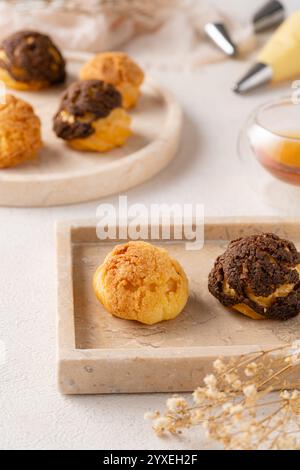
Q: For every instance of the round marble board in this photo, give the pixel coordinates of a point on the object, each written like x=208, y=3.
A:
x=64, y=176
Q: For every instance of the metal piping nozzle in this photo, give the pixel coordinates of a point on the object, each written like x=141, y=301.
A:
x=258, y=75
x=220, y=36
x=271, y=14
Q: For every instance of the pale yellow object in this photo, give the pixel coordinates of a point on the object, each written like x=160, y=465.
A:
x=119, y=70
x=282, y=52
x=10, y=82
x=20, y=132
x=141, y=282
x=110, y=132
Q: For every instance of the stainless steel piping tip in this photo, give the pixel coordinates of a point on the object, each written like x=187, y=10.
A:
x=271, y=14
x=260, y=74
x=220, y=36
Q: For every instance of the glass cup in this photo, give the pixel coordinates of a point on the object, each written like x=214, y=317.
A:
x=269, y=151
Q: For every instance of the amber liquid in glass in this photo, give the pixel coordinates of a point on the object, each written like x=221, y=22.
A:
x=280, y=156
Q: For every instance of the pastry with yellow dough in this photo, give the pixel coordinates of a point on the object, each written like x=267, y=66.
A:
x=259, y=277
x=30, y=61
x=119, y=70
x=20, y=132
x=91, y=117
x=139, y=281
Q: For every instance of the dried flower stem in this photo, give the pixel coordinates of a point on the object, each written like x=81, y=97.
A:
x=227, y=405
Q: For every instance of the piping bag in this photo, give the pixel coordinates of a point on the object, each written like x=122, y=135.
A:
x=279, y=60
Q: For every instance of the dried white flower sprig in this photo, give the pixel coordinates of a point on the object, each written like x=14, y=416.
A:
x=229, y=404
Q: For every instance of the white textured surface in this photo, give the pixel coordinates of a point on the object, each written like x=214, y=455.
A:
x=32, y=413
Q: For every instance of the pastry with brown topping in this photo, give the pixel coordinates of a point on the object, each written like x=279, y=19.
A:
x=20, y=132
x=259, y=277
x=30, y=61
x=119, y=70
x=139, y=281
x=90, y=117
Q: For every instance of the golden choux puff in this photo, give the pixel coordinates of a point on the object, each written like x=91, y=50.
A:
x=20, y=132
x=119, y=70
x=139, y=281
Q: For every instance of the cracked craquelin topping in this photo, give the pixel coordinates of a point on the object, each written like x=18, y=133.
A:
x=139, y=281
x=260, y=272
x=20, y=132
x=83, y=103
x=31, y=56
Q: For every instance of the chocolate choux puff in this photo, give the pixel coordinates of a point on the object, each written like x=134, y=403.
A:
x=30, y=61
x=91, y=117
x=139, y=281
x=259, y=277
x=20, y=132
x=119, y=70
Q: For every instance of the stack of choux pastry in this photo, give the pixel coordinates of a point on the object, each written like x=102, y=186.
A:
x=91, y=115
x=139, y=281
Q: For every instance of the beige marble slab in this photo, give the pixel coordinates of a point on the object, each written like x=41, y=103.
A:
x=102, y=354
x=62, y=175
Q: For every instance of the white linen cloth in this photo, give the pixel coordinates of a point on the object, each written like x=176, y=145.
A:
x=165, y=32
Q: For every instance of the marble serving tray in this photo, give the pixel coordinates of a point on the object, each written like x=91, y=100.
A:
x=65, y=176
x=99, y=353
